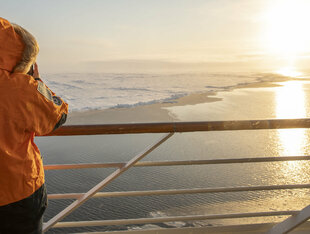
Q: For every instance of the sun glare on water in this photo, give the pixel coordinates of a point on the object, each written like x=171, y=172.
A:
x=287, y=39
x=290, y=100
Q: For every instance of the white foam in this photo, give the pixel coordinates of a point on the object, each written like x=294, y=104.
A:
x=91, y=91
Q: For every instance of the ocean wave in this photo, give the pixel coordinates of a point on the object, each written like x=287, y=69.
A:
x=92, y=91
x=165, y=100
x=63, y=85
x=132, y=89
x=159, y=214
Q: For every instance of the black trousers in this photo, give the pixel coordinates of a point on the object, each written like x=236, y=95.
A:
x=24, y=216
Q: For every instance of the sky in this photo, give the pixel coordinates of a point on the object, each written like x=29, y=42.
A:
x=116, y=35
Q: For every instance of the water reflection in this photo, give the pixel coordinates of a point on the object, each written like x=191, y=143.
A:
x=290, y=103
x=290, y=100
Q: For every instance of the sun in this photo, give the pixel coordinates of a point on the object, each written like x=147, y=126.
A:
x=289, y=71
x=285, y=35
x=286, y=28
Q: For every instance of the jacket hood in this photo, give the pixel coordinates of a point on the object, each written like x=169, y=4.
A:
x=11, y=46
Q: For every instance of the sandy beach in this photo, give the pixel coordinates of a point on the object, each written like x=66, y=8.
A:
x=158, y=112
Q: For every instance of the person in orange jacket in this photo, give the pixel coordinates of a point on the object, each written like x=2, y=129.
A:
x=28, y=108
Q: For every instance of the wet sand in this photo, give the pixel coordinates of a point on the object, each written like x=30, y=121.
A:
x=158, y=112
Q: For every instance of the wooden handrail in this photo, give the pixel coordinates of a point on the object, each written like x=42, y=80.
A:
x=165, y=127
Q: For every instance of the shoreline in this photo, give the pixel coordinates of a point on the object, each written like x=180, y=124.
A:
x=157, y=112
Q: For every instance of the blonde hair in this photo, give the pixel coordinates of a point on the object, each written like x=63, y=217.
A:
x=30, y=52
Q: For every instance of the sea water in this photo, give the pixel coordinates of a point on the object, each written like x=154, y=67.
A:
x=237, y=104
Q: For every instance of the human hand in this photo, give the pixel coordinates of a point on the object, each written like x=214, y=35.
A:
x=36, y=73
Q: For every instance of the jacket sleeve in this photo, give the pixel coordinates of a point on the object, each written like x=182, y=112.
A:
x=42, y=109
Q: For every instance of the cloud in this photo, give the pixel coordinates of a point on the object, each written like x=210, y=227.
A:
x=158, y=66
x=90, y=42
x=251, y=56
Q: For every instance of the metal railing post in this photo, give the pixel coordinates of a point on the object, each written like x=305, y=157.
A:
x=291, y=223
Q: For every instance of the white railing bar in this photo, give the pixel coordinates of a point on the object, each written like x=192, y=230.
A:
x=224, y=161
x=181, y=191
x=292, y=222
x=233, y=228
x=66, y=196
x=82, y=166
x=179, y=163
x=103, y=183
x=172, y=219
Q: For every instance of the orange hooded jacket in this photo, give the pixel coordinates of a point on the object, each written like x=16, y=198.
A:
x=27, y=108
